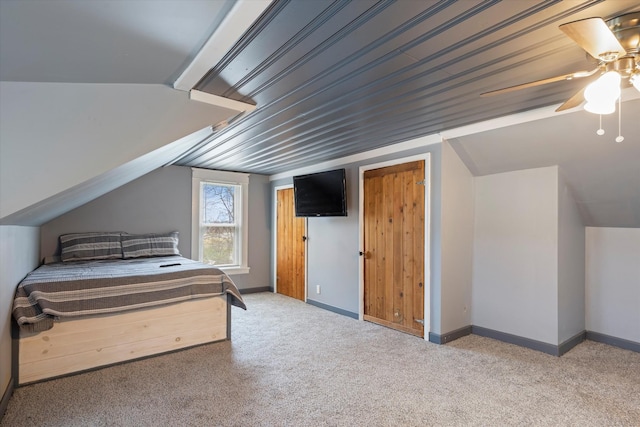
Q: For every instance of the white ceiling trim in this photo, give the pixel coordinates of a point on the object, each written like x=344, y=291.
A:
x=220, y=101
x=628, y=94
x=423, y=141
x=500, y=122
x=243, y=14
x=505, y=121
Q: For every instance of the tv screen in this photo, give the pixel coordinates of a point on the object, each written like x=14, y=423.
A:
x=320, y=194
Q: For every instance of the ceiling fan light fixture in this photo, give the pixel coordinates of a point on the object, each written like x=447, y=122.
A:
x=600, y=108
x=601, y=95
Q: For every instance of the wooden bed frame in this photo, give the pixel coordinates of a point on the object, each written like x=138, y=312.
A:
x=81, y=344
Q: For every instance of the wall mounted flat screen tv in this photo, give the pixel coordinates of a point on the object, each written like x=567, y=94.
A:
x=320, y=194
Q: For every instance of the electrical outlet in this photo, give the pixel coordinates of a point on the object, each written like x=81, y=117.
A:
x=317, y=289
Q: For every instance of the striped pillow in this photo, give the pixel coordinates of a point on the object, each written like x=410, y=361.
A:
x=89, y=246
x=148, y=245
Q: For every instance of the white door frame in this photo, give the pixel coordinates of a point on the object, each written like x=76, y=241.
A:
x=427, y=232
x=274, y=227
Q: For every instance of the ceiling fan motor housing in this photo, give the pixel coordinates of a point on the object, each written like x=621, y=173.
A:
x=626, y=28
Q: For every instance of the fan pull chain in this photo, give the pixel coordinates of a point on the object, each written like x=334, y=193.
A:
x=600, y=131
x=619, y=138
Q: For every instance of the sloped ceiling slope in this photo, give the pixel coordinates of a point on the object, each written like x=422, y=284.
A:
x=86, y=103
x=62, y=144
x=104, y=41
x=604, y=175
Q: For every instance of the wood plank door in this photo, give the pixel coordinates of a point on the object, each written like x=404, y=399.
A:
x=394, y=246
x=290, y=250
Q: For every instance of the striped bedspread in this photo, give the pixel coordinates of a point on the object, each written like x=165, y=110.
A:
x=108, y=286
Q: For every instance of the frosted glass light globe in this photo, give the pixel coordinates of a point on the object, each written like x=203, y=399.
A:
x=602, y=94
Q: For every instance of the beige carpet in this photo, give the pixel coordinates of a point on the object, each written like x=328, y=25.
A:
x=293, y=364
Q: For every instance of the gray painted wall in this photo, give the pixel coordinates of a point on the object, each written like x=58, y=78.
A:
x=19, y=250
x=259, y=235
x=509, y=247
x=613, y=282
x=457, y=241
x=332, y=254
x=515, y=261
x=332, y=249
x=157, y=202
x=161, y=201
x=571, y=264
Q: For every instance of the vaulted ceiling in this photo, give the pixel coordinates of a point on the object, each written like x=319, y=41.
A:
x=336, y=78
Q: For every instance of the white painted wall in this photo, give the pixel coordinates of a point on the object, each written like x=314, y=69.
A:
x=19, y=250
x=613, y=282
x=68, y=133
x=457, y=241
x=571, y=265
x=515, y=260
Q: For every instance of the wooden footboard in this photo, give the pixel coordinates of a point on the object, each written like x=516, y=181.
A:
x=86, y=343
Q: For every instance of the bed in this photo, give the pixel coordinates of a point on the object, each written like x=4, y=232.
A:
x=90, y=311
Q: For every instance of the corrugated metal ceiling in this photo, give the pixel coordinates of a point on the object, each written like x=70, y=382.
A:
x=334, y=78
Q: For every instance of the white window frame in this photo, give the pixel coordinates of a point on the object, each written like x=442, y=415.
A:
x=199, y=176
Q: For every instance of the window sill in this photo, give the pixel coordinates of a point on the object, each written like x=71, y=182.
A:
x=231, y=271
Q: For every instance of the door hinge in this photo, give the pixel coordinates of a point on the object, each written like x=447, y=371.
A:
x=423, y=182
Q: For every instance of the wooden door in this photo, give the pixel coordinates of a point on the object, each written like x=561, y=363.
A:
x=394, y=247
x=290, y=250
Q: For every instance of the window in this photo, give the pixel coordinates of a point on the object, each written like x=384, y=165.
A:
x=220, y=214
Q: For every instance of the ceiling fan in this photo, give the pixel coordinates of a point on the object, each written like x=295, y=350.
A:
x=615, y=44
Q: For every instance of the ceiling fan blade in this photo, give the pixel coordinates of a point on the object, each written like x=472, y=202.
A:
x=572, y=102
x=577, y=98
x=571, y=76
x=594, y=36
